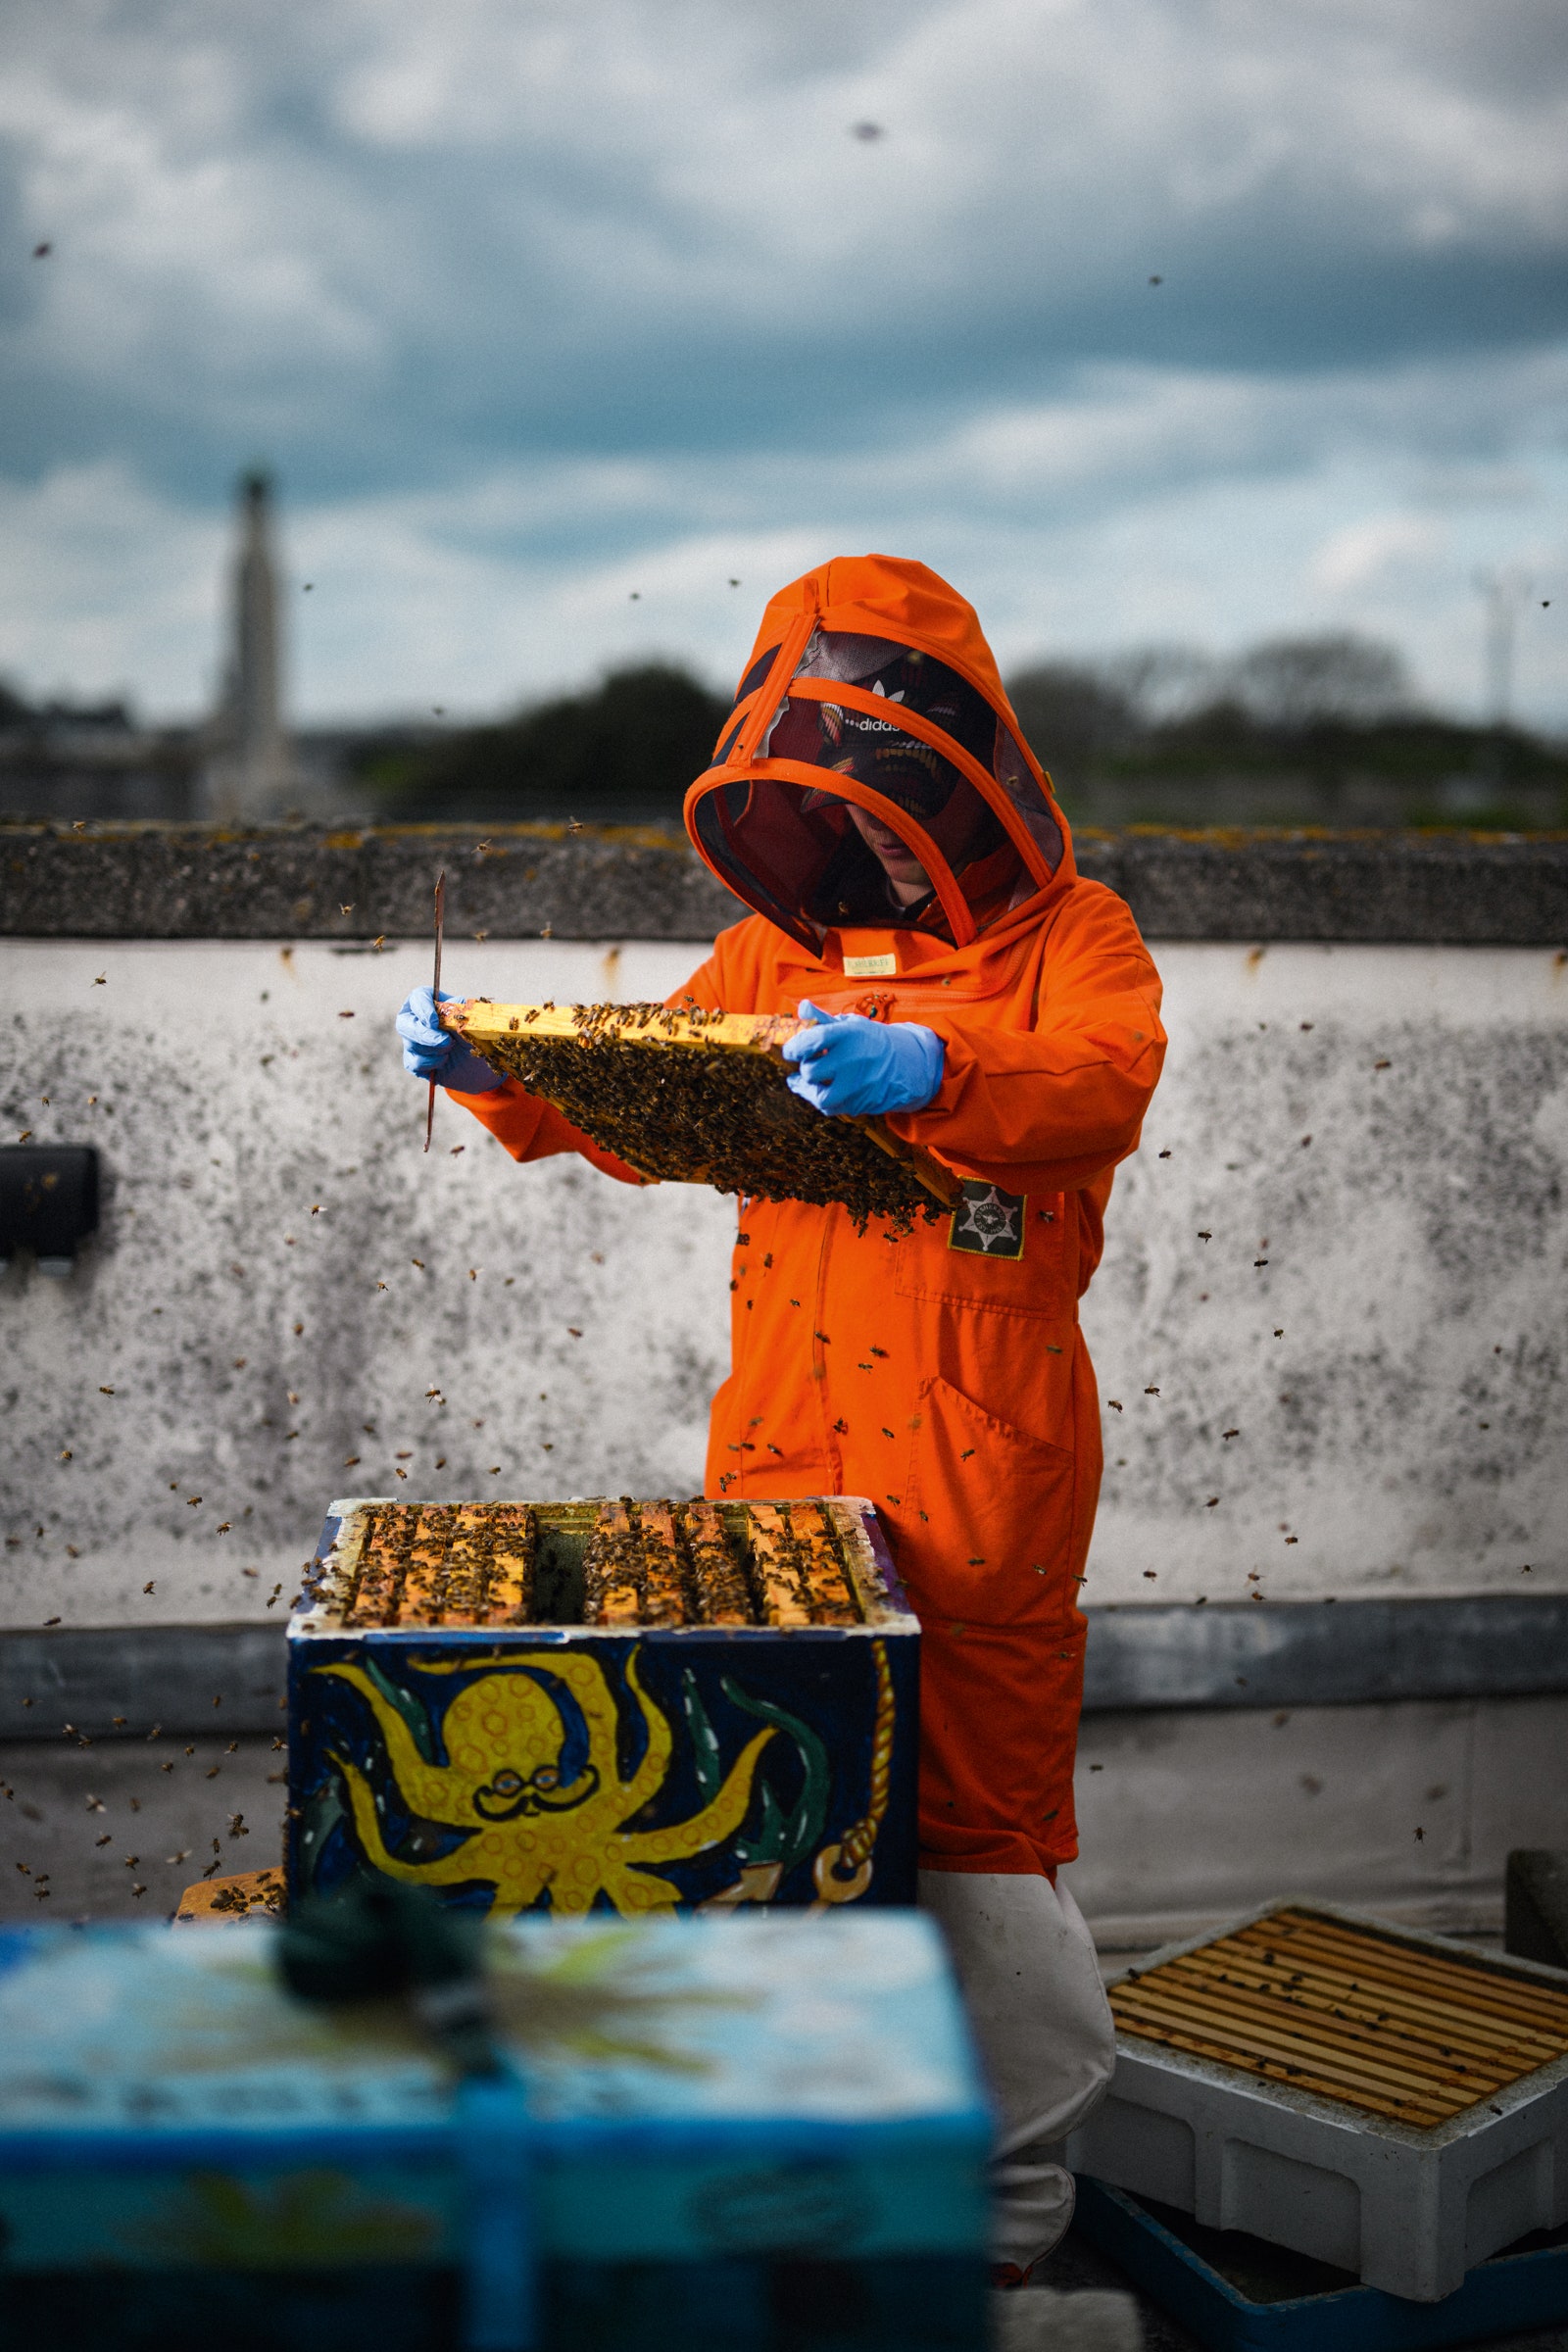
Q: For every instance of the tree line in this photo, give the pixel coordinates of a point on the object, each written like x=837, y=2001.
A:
x=1295, y=730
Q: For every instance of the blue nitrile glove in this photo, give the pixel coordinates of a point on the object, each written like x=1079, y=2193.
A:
x=431, y=1051
x=853, y=1067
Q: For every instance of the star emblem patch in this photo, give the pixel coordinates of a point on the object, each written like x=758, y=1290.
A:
x=987, y=1222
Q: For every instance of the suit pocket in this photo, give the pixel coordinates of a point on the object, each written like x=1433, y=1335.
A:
x=987, y=1525
x=997, y=1253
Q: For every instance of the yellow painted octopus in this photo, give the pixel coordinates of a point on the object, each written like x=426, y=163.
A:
x=505, y=1736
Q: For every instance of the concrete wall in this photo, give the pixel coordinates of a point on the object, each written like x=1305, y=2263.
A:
x=281, y=1278
x=252, y=1318
x=1186, y=1817
x=1406, y=1810
x=612, y=882
x=1376, y=1142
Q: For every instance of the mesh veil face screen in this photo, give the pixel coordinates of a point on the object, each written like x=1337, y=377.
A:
x=793, y=848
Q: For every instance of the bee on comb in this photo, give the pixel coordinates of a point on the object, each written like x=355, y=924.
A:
x=703, y=1098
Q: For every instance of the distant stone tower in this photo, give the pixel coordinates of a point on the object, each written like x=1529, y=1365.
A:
x=252, y=771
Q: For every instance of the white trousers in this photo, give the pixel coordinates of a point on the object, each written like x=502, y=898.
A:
x=1031, y=1985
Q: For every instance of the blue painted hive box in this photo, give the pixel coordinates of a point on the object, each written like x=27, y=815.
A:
x=585, y=1706
x=1237, y=2294
x=760, y=2133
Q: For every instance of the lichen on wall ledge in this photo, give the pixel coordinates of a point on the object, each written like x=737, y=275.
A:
x=608, y=882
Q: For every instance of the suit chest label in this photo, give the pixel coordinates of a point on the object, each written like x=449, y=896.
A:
x=987, y=1222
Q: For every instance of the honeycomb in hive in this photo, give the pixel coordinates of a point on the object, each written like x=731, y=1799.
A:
x=440, y=1563
x=1367, y=2020
x=721, y=1591
x=633, y=1569
x=703, y=1098
x=640, y=1565
x=797, y=1565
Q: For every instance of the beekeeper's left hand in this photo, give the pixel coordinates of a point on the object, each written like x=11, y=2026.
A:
x=850, y=1065
x=431, y=1051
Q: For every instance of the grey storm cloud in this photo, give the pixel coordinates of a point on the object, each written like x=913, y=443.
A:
x=556, y=315
x=382, y=244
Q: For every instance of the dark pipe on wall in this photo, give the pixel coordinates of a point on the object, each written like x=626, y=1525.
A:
x=48, y=1202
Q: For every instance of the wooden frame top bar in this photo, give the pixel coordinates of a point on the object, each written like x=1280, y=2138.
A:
x=476, y=1018
x=1350, y=2011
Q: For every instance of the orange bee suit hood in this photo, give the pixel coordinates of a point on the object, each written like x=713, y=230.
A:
x=872, y=685
x=943, y=1372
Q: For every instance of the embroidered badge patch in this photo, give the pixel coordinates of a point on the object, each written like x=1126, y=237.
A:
x=987, y=1222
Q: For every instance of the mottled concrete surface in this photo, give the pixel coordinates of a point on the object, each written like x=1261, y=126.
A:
x=135, y=1682
x=120, y=1830
x=1366, y=1353
x=282, y=1278
x=1376, y=888
x=1190, y=1817
x=596, y=882
x=128, y=1681
x=1186, y=1818
x=1078, y=2268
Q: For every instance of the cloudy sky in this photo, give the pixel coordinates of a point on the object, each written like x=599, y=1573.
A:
x=555, y=317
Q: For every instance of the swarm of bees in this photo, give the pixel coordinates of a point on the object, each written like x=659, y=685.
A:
x=614, y=1563
x=701, y=1097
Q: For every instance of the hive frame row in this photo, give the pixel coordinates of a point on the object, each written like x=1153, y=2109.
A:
x=781, y=1573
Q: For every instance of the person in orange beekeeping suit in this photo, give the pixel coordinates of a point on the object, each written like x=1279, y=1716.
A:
x=872, y=798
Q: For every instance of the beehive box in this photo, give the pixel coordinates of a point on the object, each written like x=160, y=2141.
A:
x=703, y=1098
x=1381, y=2100
x=590, y=1705
x=765, y=2134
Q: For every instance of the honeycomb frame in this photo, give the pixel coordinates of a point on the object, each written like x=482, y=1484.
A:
x=703, y=1098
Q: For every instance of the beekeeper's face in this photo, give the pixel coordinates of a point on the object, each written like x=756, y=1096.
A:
x=897, y=859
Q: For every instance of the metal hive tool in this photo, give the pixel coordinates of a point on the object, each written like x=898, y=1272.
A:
x=1354, y=2016
x=701, y=1098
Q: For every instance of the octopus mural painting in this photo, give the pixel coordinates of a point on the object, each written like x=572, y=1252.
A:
x=636, y=1777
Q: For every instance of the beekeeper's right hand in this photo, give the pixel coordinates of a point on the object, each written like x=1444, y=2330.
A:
x=431, y=1051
